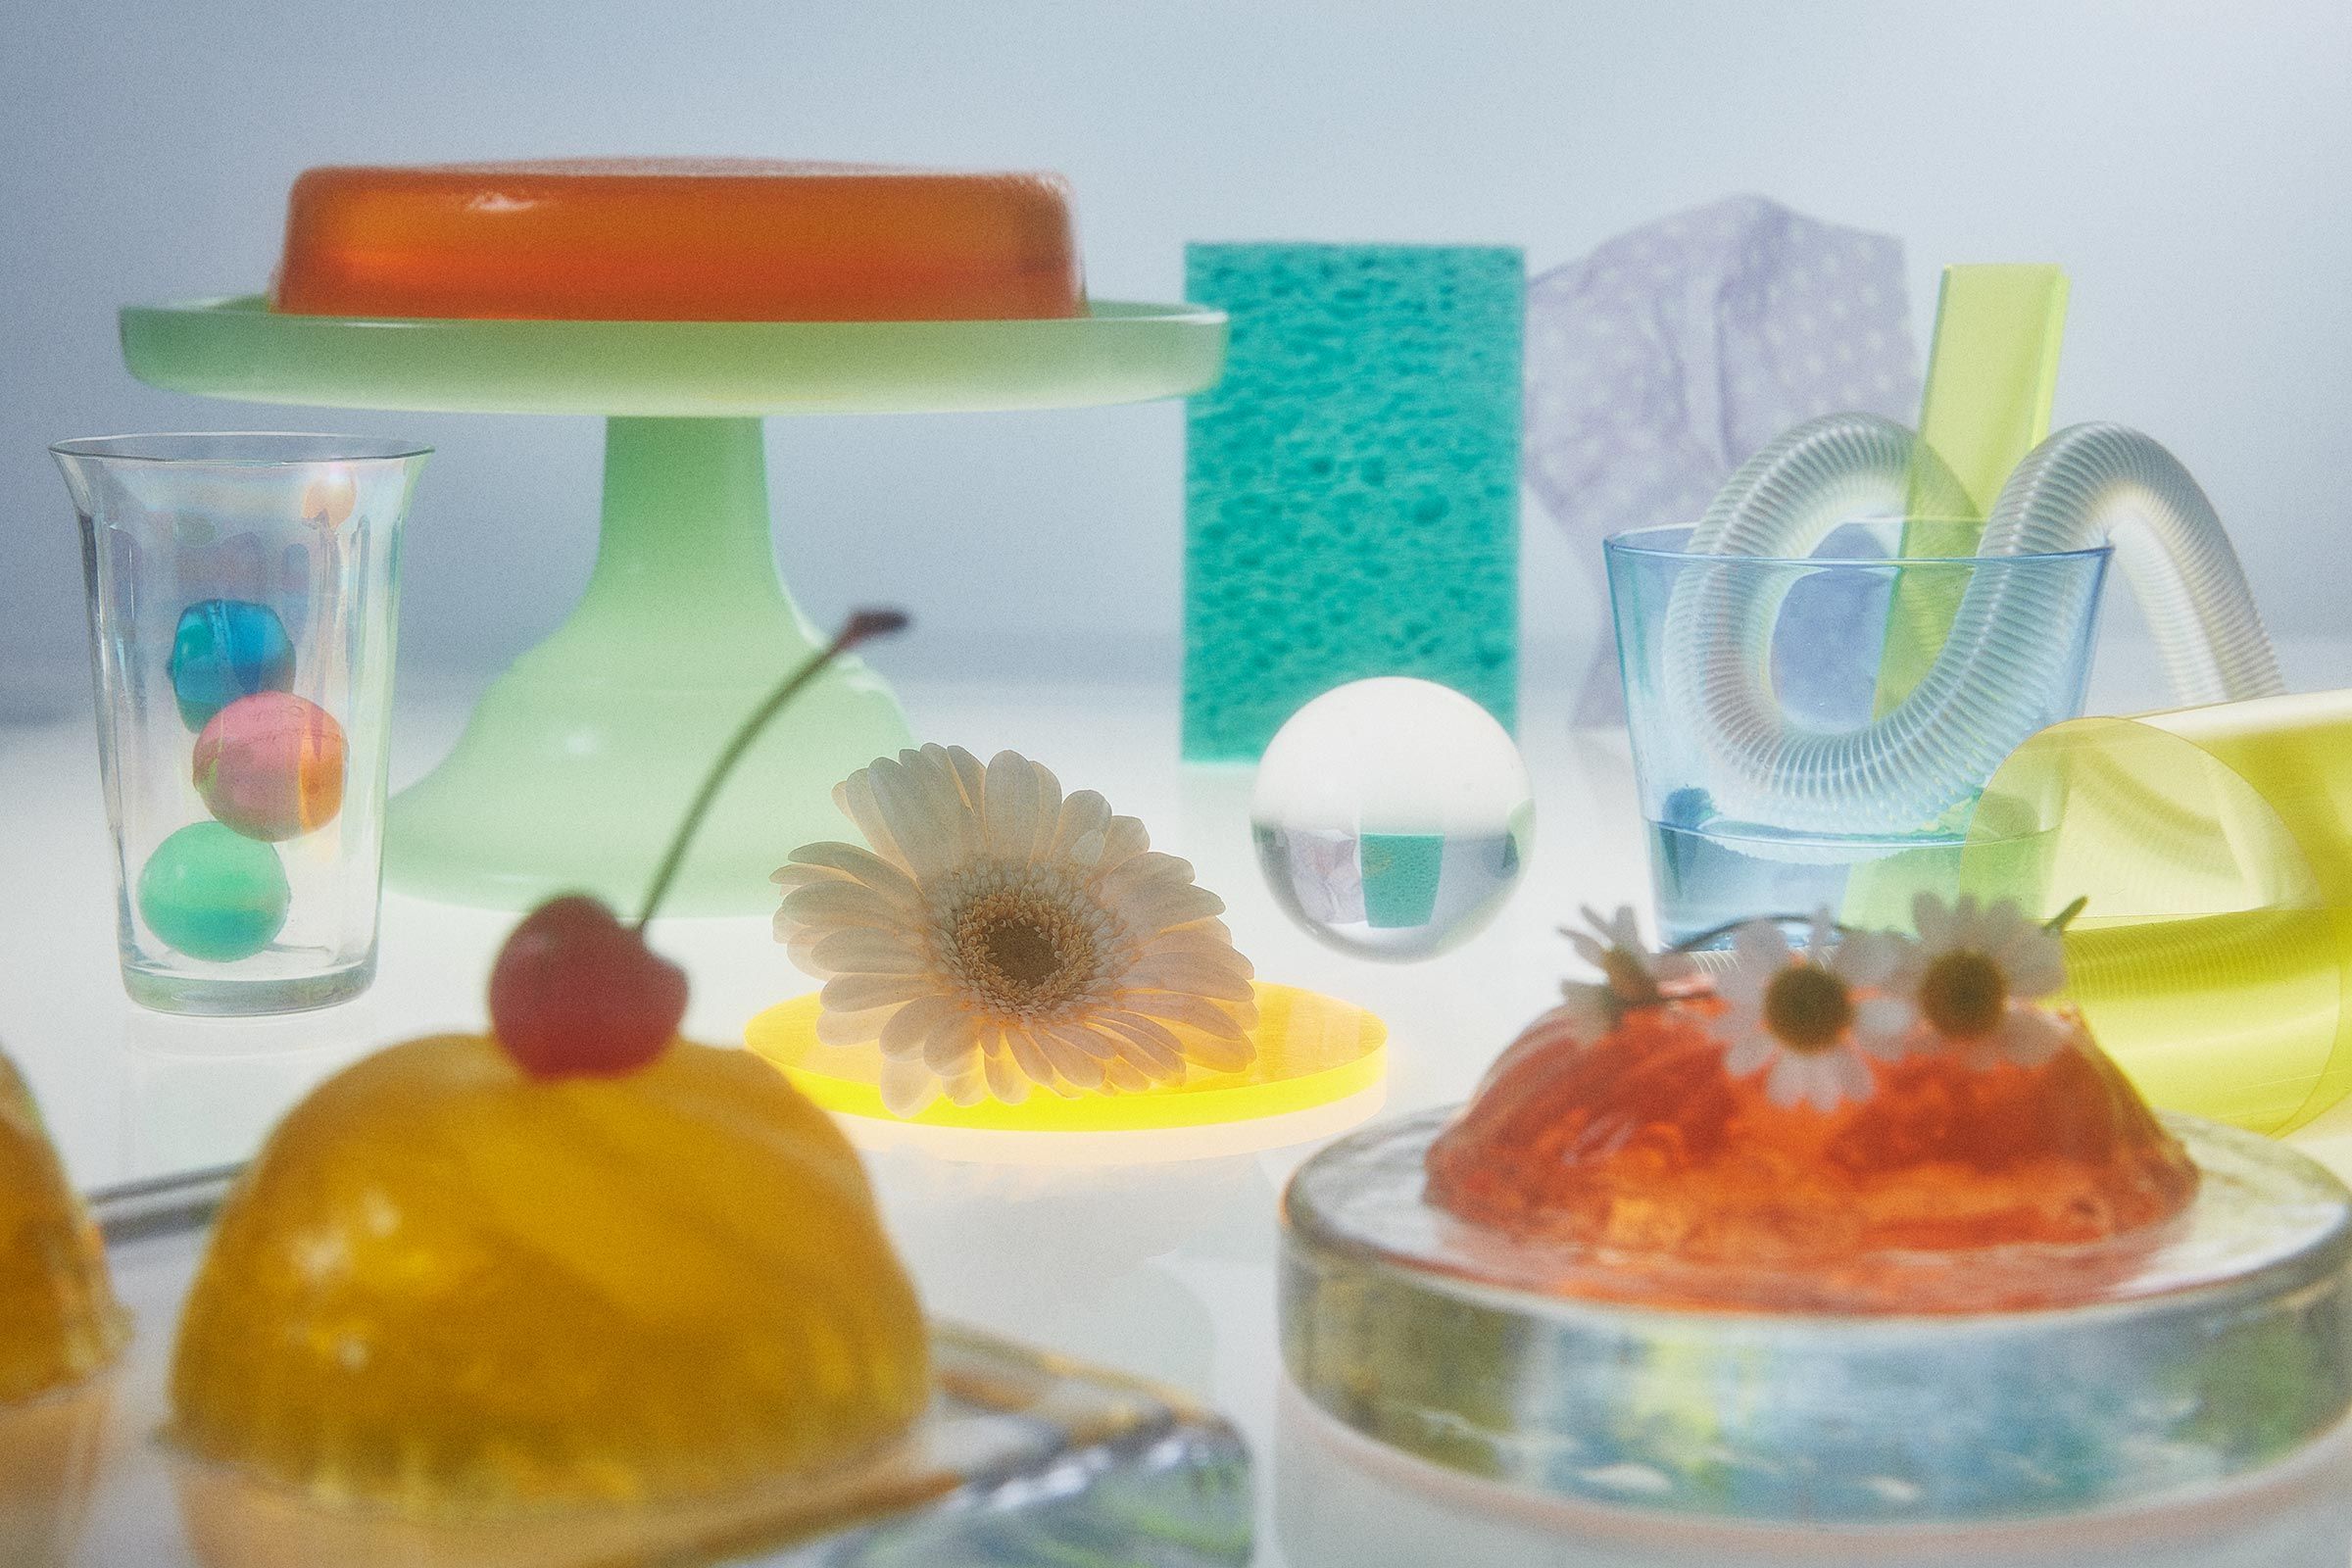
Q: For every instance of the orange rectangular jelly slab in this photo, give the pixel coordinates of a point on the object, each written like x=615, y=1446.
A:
x=676, y=241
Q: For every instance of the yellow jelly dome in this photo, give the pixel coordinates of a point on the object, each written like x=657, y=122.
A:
x=59, y=1321
x=451, y=1289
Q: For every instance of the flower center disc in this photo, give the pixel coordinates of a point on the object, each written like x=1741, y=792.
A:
x=1807, y=1008
x=1963, y=995
x=1022, y=954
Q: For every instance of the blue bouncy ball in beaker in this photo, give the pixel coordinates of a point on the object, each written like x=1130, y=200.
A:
x=226, y=649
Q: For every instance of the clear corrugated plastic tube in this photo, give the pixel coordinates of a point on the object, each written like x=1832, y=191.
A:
x=1933, y=750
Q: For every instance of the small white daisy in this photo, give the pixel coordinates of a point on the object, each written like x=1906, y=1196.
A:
x=1630, y=974
x=1629, y=979
x=1807, y=1017
x=999, y=935
x=1977, y=975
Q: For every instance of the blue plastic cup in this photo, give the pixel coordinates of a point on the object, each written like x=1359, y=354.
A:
x=1816, y=732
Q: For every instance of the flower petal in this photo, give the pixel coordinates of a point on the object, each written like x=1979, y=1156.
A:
x=2030, y=1035
x=2035, y=964
x=857, y=1027
x=1027, y=1055
x=1822, y=932
x=1192, y=975
x=922, y=816
x=1156, y=1043
x=1751, y=1053
x=1005, y=1080
x=1882, y=1026
x=904, y=1035
x=1072, y=1054
x=969, y=777
x=1852, y=1076
x=840, y=903
x=855, y=796
x=1210, y=938
x=1014, y=803
x=1591, y=1010
x=1123, y=839
x=1866, y=958
x=932, y=779
x=1158, y=1069
x=1218, y=1055
x=1742, y=984
x=1084, y=817
x=1197, y=1012
x=799, y=945
x=1152, y=891
x=908, y=1087
x=1760, y=945
x=788, y=877
x=1790, y=1081
x=868, y=950
x=951, y=1043
x=967, y=1088
x=861, y=865
x=1929, y=919
x=854, y=993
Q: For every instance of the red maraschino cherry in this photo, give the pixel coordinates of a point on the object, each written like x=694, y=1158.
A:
x=577, y=994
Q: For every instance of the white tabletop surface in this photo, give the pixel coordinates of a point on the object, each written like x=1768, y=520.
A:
x=1164, y=1269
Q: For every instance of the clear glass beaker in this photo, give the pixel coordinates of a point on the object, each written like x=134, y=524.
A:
x=243, y=595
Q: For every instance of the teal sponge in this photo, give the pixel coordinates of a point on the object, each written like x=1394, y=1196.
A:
x=1351, y=485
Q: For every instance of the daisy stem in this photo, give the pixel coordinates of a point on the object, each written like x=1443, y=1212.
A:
x=860, y=626
x=2057, y=923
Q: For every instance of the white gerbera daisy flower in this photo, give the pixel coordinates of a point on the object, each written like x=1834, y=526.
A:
x=1804, y=1015
x=1630, y=974
x=1978, y=974
x=998, y=935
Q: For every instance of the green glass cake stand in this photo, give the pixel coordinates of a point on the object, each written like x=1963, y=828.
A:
x=575, y=765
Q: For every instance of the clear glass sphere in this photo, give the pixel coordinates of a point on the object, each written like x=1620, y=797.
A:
x=1393, y=817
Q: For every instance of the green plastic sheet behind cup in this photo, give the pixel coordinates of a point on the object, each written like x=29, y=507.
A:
x=1992, y=373
x=2212, y=843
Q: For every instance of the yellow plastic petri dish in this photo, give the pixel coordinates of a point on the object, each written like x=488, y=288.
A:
x=1314, y=1053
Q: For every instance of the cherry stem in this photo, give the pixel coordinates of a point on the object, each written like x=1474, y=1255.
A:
x=862, y=626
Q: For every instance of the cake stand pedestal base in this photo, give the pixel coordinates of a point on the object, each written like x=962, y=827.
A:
x=578, y=762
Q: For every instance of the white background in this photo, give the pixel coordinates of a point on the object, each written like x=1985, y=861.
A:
x=2185, y=161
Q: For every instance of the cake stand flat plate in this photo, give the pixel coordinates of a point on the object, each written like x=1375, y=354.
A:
x=238, y=348
x=1024, y=1459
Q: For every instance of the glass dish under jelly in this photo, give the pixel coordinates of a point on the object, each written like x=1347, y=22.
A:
x=2218, y=1346
x=1023, y=1458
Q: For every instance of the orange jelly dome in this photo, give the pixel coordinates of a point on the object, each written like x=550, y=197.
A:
x=1657, y=1176
x=661, y=240
x=454, y=1290
x=59, y=1321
